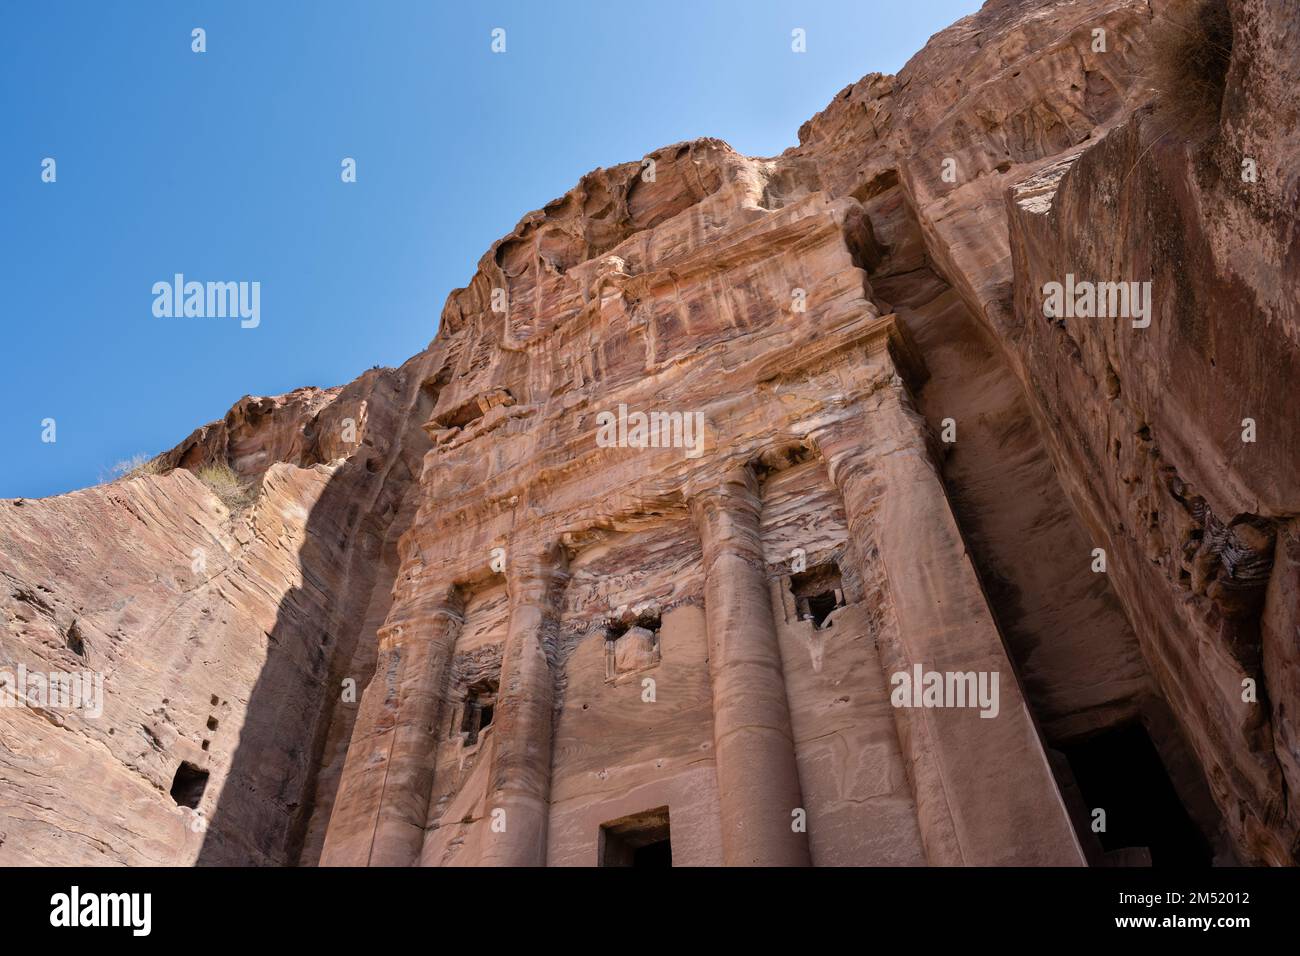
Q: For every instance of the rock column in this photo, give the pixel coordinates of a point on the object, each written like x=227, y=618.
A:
x=985, y=795
x=519, y=788
x=758, y=779
x=379, y=816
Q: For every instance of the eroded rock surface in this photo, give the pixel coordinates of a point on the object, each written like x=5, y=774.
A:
x=877, y=454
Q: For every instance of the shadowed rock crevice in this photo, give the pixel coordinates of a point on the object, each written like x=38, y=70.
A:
x=285, y=765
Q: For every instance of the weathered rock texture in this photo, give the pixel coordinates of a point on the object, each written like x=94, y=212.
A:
x=458, y=627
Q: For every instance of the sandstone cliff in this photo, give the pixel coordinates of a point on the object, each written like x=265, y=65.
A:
x=859, y=325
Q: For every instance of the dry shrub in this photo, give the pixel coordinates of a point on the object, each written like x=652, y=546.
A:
x=226, y=485
x=1191, y=50
x=134, y=467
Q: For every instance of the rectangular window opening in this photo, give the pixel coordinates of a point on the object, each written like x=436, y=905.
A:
x=480, y=706
x=817, y=592
x=632, y=644
x=188, y=785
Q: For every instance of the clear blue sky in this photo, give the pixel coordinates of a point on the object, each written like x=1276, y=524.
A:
x=225, y=166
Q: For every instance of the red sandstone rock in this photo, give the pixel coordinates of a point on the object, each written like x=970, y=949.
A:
x=565, y=652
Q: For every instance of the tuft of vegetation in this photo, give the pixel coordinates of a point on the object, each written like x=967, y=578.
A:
x=134, y=467
x=1191, y=51
x=226, y=485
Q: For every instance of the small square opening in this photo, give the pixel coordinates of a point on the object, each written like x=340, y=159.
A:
x=817, y=592
x=188, y=785
x=642, y=839
x=632, y=645
x=480, y=706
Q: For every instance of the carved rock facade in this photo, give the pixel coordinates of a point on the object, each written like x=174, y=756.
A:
x=575, y=640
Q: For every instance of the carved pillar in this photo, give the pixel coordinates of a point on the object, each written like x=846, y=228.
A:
x=984, y=792
x=520, y=782
x=758, y=780
x=379, y=816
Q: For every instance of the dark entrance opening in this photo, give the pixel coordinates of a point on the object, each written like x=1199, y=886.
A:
x=820, y=607
x=1120, y=772
x=817, y=592
x=188, y=785
x=480, y=704
x=641, y=839
x=653, y=854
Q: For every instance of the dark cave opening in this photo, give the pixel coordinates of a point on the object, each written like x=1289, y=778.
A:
x=1119, y=771
x=188, y=785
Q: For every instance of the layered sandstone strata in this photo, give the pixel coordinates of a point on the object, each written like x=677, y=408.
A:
x=877, y=454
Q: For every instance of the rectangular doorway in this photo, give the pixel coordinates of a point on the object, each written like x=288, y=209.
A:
x=642, y=839
x=1124, y=783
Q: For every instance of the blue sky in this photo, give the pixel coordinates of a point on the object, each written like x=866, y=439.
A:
x=225, y=165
